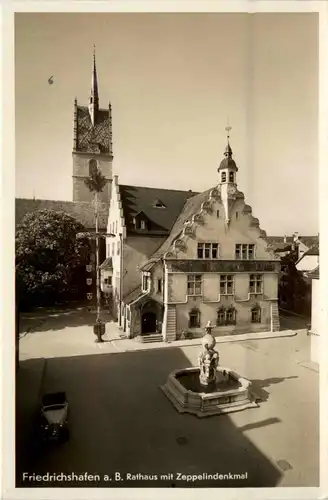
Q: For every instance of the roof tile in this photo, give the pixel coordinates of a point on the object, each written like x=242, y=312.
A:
x=139, y=199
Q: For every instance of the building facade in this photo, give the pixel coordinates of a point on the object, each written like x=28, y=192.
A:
x=317, y=316
x=214, y=265
x=141, y=219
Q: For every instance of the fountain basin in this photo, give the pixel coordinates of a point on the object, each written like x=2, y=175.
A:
x=230, y=393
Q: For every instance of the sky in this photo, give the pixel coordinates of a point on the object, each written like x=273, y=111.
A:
x=175, y=80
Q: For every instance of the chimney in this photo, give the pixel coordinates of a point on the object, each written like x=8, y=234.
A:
x=285, y=238
x=295, y=236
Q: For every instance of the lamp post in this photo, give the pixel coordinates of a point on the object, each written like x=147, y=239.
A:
x=99, y=326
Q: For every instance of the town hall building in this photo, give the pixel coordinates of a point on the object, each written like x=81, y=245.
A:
x=183, y=259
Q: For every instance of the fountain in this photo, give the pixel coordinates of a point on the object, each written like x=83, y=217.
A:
x=208, y=389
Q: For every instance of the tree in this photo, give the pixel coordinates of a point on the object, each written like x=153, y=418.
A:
x=293, y=289
x=50, y=261
x=96, y=183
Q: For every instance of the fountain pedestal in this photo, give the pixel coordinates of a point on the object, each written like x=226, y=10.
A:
x=208, y=389
x=233, y=394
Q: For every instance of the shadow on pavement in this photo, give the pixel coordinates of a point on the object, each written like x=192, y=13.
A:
x=120, y=421
x=259, y=385
x=291, y=321
x=262, y=423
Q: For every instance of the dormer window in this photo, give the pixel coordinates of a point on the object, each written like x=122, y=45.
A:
x=140, y=221
x=231, y=177
x=223, y=176
x=158, y=204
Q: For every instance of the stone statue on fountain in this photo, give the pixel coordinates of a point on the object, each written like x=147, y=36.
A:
x=208, y=359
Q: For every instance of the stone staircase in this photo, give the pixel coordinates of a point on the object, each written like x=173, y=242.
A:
x=171, y=328
x=275, y=321
x=152, y=337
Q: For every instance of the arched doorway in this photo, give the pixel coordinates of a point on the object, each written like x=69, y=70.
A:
x=148, y=323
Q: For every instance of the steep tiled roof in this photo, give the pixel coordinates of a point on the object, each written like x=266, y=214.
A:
x=137, y=199
x=107, y=264
x=191, y=206
x=93, y=139
x=80, y=210
x=131, y=296
x=314, y=250
x=278, y=241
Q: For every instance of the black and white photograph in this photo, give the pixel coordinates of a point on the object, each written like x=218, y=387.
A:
x=167, y=281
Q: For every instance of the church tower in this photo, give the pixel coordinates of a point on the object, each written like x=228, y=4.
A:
x=92, y=143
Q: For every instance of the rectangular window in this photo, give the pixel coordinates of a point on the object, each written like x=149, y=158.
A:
x=108, y=250
x=113, y=249
x=236, y=215
x=223, y=176
x=218, y=214
x=226, y=284
x=116, y=227
x=159, y=285
x=256, y=283
x=118, y=248
x=244, y=251
x=194, y=284
x=207, y=250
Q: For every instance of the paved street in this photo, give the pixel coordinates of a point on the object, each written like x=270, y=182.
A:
x=121, y=421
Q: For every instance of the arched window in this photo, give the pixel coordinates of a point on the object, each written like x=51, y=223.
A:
x=220, y=319
x=256, y=314
x=231, y=177
x=194, y=318
x=223, y=176
x=93, y=166
x=226, y=316
x=231, y=316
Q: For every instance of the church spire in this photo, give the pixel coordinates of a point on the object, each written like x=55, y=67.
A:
x=94, y=97
x=228, y=150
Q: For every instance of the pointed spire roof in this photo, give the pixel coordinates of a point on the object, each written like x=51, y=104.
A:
x=94, y=97
x=228, y=161
x=228, y=150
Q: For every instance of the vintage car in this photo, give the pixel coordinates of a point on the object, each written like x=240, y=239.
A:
x=54, y=416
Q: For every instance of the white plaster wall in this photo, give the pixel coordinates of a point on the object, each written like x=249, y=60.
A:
x=137, y=250
x=316, y=320
x=215, y=230
x=115, y=225
x=211, y=287
x=308, y=263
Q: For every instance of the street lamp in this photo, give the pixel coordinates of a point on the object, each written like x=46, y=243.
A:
x=99, y=326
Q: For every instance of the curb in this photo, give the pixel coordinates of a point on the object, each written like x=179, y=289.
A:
x=194, y=342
